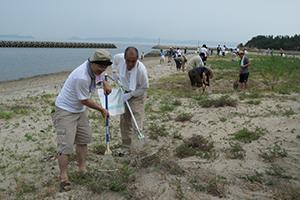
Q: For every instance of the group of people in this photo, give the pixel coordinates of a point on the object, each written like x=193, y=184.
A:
x=70, y=114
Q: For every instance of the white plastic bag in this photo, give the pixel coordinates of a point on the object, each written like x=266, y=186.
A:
x=115, y=101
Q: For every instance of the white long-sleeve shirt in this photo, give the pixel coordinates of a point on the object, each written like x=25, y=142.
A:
x=141, y=78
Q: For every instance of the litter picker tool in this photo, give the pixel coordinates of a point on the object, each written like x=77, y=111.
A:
x=108, y=160
x=140, y=135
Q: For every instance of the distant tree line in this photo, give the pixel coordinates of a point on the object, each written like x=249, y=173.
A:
x=284, y=42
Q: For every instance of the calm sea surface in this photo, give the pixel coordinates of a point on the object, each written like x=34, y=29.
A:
x=18, y=63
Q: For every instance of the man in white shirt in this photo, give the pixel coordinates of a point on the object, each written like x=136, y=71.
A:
x=70, y=115
x=134, y=79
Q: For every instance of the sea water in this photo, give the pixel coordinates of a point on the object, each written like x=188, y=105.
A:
x=19, y=63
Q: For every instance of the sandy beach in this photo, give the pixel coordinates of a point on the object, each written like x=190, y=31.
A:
x=265, y=168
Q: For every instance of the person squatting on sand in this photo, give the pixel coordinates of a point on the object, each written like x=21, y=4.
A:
x=70, y=114
x=134, y=79
x=199, y=76
x=244, y=70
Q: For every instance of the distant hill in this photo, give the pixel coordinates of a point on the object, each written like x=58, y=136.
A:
x=147, y=40
x=15, y=36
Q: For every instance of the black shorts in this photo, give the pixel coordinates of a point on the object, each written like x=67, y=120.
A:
x=204, y=59
x=195, y=79
x=244, y=78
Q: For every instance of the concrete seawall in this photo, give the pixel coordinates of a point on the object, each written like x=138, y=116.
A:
x=36, y=44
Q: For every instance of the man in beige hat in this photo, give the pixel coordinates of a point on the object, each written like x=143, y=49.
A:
x=244, y=70
x=70, y=115
x=199, y=76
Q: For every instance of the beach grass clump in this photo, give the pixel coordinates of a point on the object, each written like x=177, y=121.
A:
x=204, y=182
x=99, y=182
x=166, y=108
x=247, y=136
x=197, y=145
x=221, y=102
x=252, y=102
x=235, y=151
x=157, y=130
x=271, y=153
x=183, y=117
x=287, y=191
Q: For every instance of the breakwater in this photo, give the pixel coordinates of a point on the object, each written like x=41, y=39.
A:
x=37, y=44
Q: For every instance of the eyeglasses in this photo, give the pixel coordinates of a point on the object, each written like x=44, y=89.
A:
x=101, y=66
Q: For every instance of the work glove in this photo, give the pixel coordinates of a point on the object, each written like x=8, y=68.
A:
x=126, y=97
x=116, y=77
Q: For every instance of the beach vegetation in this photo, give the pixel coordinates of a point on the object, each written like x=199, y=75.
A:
x=183, y=117
x=247, y=136
x=157, y=130
x=221, y=102
x=235, y=151
x=271, y=153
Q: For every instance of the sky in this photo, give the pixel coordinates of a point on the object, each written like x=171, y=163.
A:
x=211, y=20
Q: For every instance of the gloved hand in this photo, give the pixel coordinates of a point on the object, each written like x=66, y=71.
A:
x=126, y=97
x=116, y=77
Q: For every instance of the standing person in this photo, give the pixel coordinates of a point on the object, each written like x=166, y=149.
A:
x=281, y=52
x=244, y=70
x=134, y=79
x=223, y=50
x=199, y=76
x=172, y=55
x=70, y=115
x=206, y=53
x=218, y=50
x=178, y=52
x=162, y=56
x=185, y=51
x=180, y=62
x=196, y=61
x=142, y=55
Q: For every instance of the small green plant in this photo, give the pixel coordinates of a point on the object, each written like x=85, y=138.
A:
x=223, y=119
x=176, y=103
x=183, y=117
x=255, y=178
x=156, y=130
x=221, y=102
x=235, y=151
x=257, y=102
x=196, y=145
x=289, y=112
x=247, y=136
x=177, y=135
x=272, y=153
x=165, y=108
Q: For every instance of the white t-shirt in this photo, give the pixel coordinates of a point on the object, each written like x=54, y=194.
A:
x=76, y=88
x=179, y=52
x=204, y=50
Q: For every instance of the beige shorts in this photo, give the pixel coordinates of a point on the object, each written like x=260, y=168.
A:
x=71, y=128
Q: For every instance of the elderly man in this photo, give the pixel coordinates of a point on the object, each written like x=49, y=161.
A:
x=134, y=79
x=70, y=114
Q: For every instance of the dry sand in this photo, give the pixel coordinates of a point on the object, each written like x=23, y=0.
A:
x=230, y=176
